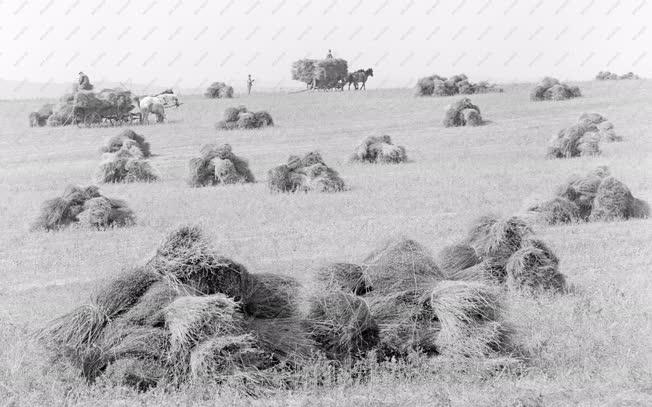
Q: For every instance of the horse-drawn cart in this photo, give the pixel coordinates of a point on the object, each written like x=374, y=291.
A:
x=108, y=107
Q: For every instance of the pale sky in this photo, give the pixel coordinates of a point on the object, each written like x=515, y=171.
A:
x=192, y=43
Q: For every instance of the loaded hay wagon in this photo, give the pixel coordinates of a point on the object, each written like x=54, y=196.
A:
x=109, y=107
x=325, y=74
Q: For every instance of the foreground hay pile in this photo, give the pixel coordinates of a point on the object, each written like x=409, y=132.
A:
x=191, y=314
x=505, y=252
x=217, y=164
x=131, y=139
x=219, y=90
x=83, y=206
x=379, y=149
x=324, y=73
x=304, y=174
x=241, y=118
x=551, y=89
x=40, y=117
x=127, y=163
x=436, y=85
x=597, y=196
x=606, y=75
x=583, y=138
x=462, y=113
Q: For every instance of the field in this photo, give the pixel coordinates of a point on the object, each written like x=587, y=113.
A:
x=589, y=347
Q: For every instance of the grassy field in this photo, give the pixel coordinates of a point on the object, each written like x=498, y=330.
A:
x=590, y=347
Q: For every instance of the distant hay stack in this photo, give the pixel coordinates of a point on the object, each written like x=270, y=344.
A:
x=597, y=196
x=574, y=141
x=436, y=85
x=596, y=123
x=40, y=117
x=241, y=118
x=379, y=149
x=219, y=90
x=86, y=207
x=462, y=113
x=217, y=164
x=551, y=89
x=534, y=268
x=606, y=75
x=126, y=165
x=115, y=143
x=306, y=174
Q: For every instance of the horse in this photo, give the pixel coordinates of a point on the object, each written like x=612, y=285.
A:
x=149, y=105
x=169, y=99
x=360, y=75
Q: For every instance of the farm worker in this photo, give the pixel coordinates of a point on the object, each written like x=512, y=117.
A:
x=330, y=54
x=84, y=82
x=250, y=83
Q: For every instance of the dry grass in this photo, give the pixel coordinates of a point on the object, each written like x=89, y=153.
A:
x=588, y=347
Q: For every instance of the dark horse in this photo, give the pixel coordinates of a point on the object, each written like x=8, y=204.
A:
x=359, y=76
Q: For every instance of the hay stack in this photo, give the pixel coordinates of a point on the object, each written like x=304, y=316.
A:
x=496, y=238
x=551, y=89
x=115, y=143
x=595, y=196
x=534, y=268
x=346, y=277
x=40, y=117
x=84, y=206
x=240, y=118
x=379, y=149
x=219, y=90
x=596, y=123
x=574, y=141
x=462, y=113
x=269, y=296
x=455, y=258
x=217, y=164
x=436, y=85
x=125, y=165
x=342, y=326
x=306, y=174
x=606, y=75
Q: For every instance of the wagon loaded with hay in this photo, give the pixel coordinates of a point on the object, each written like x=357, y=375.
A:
x=109, y=107
x=190, y=314
x=325, y=74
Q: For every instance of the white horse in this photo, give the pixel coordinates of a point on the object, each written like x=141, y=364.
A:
x=149, y=105
x=169, y=99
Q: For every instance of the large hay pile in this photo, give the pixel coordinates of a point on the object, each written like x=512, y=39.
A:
x=596, y=123
x=192, y=314
x=241, y=118
x=324, y=73
x=606, y=75
x=126, y=165
x=503, y=251
x=219, y=90
x=115, y=143
x=306, y=174
x=583, y=138
x=436, y=85
x=379, y=149
x=462, y=113
x=597, y=196
x=217, y=164
x=80, y=103
x=83, y=206
x=40, y=117
x=551, y=89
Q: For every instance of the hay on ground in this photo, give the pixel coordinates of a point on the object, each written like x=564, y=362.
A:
x=40, y=117
x=400, y=265
x=219, y=90
x=379, y=149
x=307, y=174
x=455, y=258
x=573, y=141
x=551, y=89
x=268, y=296
x=241, y=118
x=454, y=115
x=84, y=206
x=138, y=374
x=534, y=268
x=496, y=238
x=557, y=210
x=285, y=340
x=226, y=356
x=436, y=85
x=185, y=256
x=469, y=314
x=613, y=201
x=342, y=325
x=148, y=311
x=115, y=143
x=346, y=277
x=218, y=164
x=124, y=166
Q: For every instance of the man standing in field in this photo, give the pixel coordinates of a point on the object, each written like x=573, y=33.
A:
x=250, y=83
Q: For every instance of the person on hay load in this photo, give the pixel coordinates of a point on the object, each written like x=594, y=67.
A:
x=84, y=82
x=329, y=55
x=250, y=83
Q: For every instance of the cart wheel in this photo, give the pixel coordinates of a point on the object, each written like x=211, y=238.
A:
x=70, y=119
x=92, y=119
